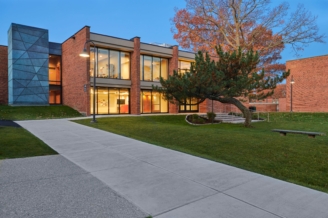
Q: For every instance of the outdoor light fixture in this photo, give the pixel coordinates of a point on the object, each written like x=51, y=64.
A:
x=291, y=94
x=85, y=54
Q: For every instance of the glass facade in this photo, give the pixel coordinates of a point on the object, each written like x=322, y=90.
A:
x=184, y=66
x=111, y=64
x=111, y=100
x=54, y=79
x=152, y=102
x=189, y=106
x=153, y=68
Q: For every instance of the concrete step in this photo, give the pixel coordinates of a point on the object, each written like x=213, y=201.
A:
x=226, y=118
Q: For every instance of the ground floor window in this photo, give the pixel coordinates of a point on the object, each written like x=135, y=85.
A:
x=110, y=100
x=152, y=102
x=190, y=106
x=54, y=94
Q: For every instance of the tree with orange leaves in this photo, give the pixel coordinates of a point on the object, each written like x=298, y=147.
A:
x=246, y=24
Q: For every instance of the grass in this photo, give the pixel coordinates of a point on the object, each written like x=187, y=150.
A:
x=18, y=143
x=36, y=112
x=294, y=158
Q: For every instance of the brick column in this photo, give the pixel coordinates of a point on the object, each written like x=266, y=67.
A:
x=135, y=78
x=3, y=74
x=174, y=65
x=75, y=72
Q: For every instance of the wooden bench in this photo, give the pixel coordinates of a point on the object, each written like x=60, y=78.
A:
x=310, y=134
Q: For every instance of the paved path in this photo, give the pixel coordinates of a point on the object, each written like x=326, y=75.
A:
x=170, y=184
x=52, y=186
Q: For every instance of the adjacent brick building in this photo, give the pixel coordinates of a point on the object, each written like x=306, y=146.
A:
x=42, y=72
x=310, y=90
x=3, y=74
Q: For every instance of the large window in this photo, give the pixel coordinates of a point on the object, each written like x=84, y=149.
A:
x=110, y=100
x=184, y=66
x=111, y=64
x=189, y=106
x=152, y=102
x=153, y=68
x=54, y=79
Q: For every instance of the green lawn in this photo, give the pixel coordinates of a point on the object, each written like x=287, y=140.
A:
x=36, y=112
x=17, y=143
x=294, y=158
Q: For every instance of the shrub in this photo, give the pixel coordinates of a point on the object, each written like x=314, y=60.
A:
x=195, y=118
x=211, y=116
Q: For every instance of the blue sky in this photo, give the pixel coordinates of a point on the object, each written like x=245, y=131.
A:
x=148, y=19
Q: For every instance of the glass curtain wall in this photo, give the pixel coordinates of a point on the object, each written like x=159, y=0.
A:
x=152, y=102
x=55, y=79
x=189, y=106
x=111, y=100
x=152, y=68
x=111, y=64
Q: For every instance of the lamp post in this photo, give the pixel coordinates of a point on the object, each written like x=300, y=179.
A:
x=85, y=54
x=291, y=94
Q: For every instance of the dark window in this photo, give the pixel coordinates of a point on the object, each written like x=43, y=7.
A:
x=190, y=106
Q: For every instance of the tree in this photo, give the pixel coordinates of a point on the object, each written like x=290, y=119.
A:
x=231, y=77
x=204, y=24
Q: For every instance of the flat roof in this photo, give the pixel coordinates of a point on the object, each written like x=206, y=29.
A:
x=307, y=58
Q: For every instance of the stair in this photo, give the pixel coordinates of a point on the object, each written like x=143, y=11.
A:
x=226, y=118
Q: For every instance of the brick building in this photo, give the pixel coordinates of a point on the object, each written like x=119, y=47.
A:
x=310, y=90
x=34, y=71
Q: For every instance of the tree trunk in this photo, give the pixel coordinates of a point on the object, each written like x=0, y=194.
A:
x=247, y=114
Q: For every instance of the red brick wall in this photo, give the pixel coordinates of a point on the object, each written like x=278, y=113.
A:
x=75, y=72
x=282, y=105
x=174, y=65
x=265, y=107
x=218, y=107
x=310, y=90
x=3, y=74
x=279, y=91
x=135, y=77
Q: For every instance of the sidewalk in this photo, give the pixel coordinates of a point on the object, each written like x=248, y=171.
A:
x=170, y=184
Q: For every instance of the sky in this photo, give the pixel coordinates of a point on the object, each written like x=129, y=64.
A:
x=148, y=19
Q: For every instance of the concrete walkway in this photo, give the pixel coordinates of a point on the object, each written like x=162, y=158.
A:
x=170, y=184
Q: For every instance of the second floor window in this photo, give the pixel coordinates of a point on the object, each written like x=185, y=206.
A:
x=184, y=66
x=111, y=64
x=153, y=68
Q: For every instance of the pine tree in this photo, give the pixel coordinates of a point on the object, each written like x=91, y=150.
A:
x=230, y=79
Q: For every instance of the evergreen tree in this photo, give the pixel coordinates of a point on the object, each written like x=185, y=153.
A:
x=230, y=79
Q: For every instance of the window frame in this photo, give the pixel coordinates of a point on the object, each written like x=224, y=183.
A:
x=142, y=66
x=151, y=103
x=95, y=50
x=108, y=100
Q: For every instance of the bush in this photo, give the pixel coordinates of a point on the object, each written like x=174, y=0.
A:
x=196, y=119
x=211, y=116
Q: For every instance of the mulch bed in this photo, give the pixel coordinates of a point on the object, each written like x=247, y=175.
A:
x=206, y=121
x=9, y=123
